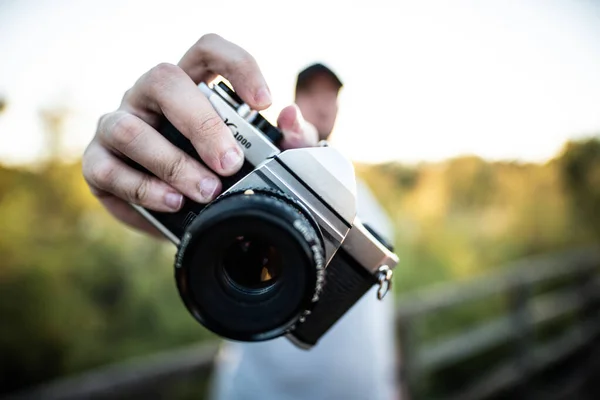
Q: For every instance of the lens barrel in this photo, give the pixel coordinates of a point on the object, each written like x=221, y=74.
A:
x=249, y=263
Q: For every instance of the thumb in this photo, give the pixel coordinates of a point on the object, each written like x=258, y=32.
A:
x=290, y=119
x=296, y=131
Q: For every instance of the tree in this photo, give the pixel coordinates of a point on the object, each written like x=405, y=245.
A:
x=580, y=170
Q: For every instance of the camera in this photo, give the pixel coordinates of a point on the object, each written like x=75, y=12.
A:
x=280, y=252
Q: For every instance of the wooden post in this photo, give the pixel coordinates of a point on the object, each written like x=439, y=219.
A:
x=588, y=319
x=519, y=297
x=407, y=367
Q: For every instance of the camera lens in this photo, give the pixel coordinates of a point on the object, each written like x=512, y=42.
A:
x=248, y=265
x=251, y=264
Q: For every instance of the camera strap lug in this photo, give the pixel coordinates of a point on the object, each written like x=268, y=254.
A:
x=384, y=277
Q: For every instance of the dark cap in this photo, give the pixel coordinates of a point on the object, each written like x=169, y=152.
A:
x=305, y=76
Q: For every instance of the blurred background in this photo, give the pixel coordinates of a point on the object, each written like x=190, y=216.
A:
x=476, y=124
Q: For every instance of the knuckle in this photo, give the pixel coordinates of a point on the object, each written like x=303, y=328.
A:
x=160, y=76
x=139, y=194
x=243, y=62
x=172, y=171
x=206, y=40
x=102, y=125
x=102, y=173
x=102, y=121
x=207, y=126
x=127, y=96
x=124, y=131
x=87, y=161
x=206, y=48
x=163, y=71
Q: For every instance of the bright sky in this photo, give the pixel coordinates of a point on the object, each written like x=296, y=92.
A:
x=425, y=80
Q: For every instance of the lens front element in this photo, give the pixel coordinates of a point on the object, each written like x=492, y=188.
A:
x=249, y=266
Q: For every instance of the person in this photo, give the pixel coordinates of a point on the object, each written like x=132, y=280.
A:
x=356, y=358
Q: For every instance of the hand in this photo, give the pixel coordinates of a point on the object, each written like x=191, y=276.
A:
x=171, y=90
x=297, y=132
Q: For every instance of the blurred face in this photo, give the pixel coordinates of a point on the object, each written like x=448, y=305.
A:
x=318, y=104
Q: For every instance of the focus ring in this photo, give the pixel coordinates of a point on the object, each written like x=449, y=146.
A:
x=223, y=308
x=273, y=195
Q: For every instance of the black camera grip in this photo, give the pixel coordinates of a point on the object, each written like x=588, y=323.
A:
x=346, y=282
x=168, y=130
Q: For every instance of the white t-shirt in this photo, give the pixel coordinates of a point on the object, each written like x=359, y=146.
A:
x=354, y=360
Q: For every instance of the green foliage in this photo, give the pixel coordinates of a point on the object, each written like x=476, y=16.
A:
x=78, y=289
x=580, y=167
x=461, y=218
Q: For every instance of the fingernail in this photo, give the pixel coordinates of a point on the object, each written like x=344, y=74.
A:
x=231, y=159
x=208, y=186
x=263, y=97
x=173, y=200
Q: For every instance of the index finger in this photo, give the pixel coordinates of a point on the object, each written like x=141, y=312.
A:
x=212, y=55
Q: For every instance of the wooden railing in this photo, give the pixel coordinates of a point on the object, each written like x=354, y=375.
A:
x=532, y=333
x=140, y=378
x=546, y=315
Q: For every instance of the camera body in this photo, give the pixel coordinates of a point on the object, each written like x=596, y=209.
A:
x=280, y=251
